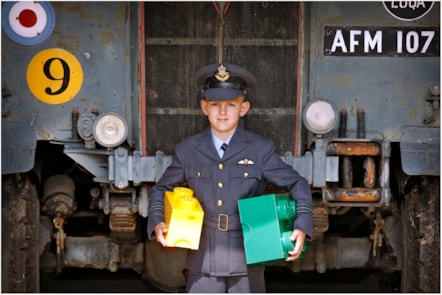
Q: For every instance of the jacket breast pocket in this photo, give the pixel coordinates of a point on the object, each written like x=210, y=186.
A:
x=199, y=179
x=245, y=180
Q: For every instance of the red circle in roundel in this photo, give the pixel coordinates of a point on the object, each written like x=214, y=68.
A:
x=27, y=18
x=28, y=22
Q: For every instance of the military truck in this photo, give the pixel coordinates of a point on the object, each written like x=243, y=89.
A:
x=95, y=95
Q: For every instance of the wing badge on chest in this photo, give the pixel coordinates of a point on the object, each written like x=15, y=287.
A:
x=246, y=162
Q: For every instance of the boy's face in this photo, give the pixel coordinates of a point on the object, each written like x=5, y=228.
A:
x=224, y=115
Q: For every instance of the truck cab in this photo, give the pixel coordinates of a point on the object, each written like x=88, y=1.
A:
x=96, y=95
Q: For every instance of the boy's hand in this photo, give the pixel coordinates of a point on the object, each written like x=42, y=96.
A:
x=298, y=238
x=160, y=231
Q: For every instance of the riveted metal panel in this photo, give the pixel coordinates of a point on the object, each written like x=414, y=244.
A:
x=391, y=88
x=97, y=34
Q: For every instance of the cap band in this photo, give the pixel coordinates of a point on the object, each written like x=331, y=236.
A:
x=233, y=83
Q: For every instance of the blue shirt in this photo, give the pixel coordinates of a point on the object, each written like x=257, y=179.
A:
x=218, y=143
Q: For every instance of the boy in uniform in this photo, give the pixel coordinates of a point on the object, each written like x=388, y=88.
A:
x=223, y=164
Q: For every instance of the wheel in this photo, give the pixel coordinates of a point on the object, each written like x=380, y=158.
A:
x=421, y=237
x=20, y=227
x=164, y=267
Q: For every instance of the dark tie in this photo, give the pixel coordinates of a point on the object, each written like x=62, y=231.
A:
x=224, y=147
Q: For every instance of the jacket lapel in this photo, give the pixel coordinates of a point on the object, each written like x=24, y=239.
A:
x=238, y=143
x=205, y=145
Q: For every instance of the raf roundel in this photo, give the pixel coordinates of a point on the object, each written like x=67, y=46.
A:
x=28, y=23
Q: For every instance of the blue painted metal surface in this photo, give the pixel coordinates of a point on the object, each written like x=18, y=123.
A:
x=420, y=149
x=392, y=90
x=100, y=40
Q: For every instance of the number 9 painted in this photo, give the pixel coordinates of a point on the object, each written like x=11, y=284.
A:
x=54, y=76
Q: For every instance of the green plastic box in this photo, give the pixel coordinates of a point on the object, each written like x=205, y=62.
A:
x=267, y=224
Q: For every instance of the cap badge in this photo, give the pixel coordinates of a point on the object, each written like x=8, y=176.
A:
x=222, y=75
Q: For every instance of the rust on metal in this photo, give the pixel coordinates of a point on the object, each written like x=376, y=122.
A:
x=353, y=149
x=122, y=222
x=320, y=222
x=356, y=194
x=369, y=172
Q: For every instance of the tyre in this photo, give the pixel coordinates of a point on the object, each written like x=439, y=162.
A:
x=164, y=267
x=421, y=237
x=20, y=222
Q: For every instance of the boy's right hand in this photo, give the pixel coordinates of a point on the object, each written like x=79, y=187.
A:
x=160, y=232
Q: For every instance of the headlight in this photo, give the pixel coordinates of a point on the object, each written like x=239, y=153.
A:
x=435, y=89
x=110, y=129
x=319, y=116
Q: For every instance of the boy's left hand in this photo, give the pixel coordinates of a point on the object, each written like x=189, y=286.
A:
x=298, y=238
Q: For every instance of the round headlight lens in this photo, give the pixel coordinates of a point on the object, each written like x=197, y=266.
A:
x=110, y=130
x=319, y=116
x=435, y=89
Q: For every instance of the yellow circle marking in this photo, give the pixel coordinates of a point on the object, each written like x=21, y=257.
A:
x=54, y=76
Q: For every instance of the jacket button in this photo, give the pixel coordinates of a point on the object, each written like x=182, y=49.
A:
x=246, y=174
x=220, y=166
x=198, y=174
x=219, y=203
x=220, y=184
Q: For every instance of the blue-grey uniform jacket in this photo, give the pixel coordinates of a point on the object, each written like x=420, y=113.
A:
x=248, y=163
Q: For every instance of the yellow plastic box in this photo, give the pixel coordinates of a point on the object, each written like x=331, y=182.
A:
x=184, y=218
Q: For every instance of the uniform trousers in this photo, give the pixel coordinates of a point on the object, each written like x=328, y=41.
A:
x=254, y=282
